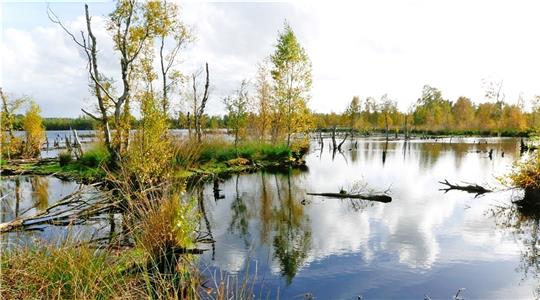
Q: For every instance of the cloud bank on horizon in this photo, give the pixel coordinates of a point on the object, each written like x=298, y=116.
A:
x=363, y=48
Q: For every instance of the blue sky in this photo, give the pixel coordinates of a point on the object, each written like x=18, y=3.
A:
x=365, y=48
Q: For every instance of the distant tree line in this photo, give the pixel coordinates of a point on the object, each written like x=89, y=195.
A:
x=87, y=123
x=432, y=113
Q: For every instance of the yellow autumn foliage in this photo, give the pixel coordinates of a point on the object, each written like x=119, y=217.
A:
x=150, y=153
x=34, y=130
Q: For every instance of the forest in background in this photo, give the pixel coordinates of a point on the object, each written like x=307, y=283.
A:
x=431, y=114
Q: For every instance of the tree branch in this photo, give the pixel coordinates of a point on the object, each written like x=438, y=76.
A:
x=56, y=20
x=91, y=115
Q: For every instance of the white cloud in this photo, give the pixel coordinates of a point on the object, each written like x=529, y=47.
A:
x=357, y=48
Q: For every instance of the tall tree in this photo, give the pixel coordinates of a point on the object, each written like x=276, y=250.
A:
x=464, y=111
x=133, y=26
x=353, y=111
x=263, y=96
x=169, y=27
x=237, y=108
x=291, y=72
x=197, y=100
x=388, y=109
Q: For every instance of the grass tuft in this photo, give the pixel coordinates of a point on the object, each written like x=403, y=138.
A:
x=64, y=158
x=95, y=157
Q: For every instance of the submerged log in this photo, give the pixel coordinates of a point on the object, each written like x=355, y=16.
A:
x=378, y=198
x=471, y=188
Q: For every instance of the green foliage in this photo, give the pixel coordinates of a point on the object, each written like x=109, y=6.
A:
x=291, y=74
x=95, y=157
x=254, y=151
x=237, y=110
x=150, y=153
x=64, y=158
x=80, y=123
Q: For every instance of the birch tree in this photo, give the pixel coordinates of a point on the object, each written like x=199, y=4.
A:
x=291, y=73
x=237, y=108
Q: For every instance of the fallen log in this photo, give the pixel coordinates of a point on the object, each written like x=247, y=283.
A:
x=471, y=188
x=377, y=198
x=13, y=172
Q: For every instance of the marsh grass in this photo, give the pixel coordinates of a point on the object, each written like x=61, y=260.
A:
x=220, y=150
x=158, y=266
x=64, y=158
x=95, y=157
x=51, y=271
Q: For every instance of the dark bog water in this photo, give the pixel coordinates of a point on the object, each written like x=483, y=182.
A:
x=425, y=242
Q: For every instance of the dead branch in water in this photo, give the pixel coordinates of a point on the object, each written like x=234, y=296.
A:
x=74, y=209
x=377, y=198
x=471, y=188
x=342, y=141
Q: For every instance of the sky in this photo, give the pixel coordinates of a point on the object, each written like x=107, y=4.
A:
x=364, y=48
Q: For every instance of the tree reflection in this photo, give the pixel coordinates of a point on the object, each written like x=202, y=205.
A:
x=40, y=192
x=429, y=153
x=523, y=221
x=265, y=213
x=18, y=197
x=385, y=149
x=292, y=241
x=240, y=218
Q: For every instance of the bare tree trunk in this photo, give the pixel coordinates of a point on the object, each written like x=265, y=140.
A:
x=334, y=137
x=90, y=48
x=79, y=152
x=200, y=111
x=189, y=124
x=128, y=55
x=164, y=101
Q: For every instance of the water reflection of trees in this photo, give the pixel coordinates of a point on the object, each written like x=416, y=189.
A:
x=281, y=216
x=523, y=221
x=240, y=216
x=40, y=192
x=292, y=240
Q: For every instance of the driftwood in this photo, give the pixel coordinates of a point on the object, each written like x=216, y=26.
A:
x=378, y=198
x=470, y=188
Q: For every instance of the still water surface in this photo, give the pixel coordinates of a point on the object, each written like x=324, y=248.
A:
x=425, y=242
